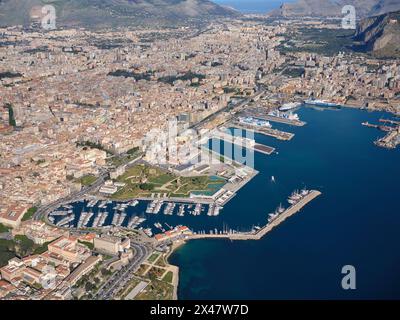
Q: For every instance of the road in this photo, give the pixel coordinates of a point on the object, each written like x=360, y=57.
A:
x=120, y=278
x=44, y=210
x=238, y=106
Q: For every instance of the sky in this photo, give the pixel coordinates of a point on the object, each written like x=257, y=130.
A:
x=253, y=6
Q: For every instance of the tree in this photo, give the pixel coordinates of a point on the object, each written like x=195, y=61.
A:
x=146, y=186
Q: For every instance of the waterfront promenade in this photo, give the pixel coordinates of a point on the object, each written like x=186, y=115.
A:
x=257, y=235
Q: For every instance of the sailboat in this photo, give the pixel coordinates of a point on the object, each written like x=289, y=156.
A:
x=273, y=179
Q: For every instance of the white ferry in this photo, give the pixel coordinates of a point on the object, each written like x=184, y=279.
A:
x=290, y=106
x=321, y=103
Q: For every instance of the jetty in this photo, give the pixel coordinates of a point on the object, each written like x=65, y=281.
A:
x=243, y=142
x=260, y=233
x=292, y=122
x=275, y=133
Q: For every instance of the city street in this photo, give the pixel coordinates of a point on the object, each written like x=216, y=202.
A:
x=120, y=278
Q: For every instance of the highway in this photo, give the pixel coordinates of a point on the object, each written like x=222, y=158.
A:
x=120, y=278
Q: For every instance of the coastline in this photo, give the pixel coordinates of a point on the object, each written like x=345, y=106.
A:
x=175, y=269
x=258, y=235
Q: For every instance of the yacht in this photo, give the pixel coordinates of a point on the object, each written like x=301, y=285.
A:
x=272, y=216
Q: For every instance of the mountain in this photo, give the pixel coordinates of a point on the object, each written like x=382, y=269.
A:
x=381, y=34
x=113, y=13
x=324, y=8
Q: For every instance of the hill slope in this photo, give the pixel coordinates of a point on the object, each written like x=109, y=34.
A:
x=107, y=13
x=381, y=34
x=323, y=8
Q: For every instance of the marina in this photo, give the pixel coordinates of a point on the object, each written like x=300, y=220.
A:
x=143, y=215
x=257, y=233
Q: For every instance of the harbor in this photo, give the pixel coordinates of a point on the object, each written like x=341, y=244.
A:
x=328, y=223
x=275, y=133
x=392, y=128
x=282, y=117
x=242, y=142
x=259, y=118
x=258, y=233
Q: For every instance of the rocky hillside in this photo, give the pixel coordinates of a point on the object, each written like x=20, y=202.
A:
x=381, y=34
x=107, y=13
x=324, y=8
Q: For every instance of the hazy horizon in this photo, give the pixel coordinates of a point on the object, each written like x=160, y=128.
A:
x=253, y=6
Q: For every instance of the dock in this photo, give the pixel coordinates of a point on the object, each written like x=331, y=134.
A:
x=257, y=235
x=275, y=133
x=297, y=123
x=263, y=149
x=243, y=142
x=390, y=141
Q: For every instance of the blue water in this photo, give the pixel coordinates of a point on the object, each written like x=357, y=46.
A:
x=356, y=221
x=253, y=6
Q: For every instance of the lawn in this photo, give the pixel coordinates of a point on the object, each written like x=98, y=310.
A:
x=157, y=290
x=29, y=214
x=87, y=244
x=87, y=180
x=142, y=180
x=131, y=285
x=43, y=248
x=199, y=184
x=4, y=228
x=6, y=251
x=161, y=262
x=168, y=277
x=153, y=257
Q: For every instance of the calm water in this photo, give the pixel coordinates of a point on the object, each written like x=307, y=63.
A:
x=253, y=6
x=356, y=221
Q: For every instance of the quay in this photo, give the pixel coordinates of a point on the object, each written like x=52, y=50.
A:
x=390, y=121
x=275, y=133
x=293, y=122
x=263, y=149
x=257, y=235
x=243, y=142
x=390, y=141
x=379, y=127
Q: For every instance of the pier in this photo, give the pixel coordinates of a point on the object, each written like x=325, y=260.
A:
x=392, y=138
x=263, y=149
x=397, y=123
x=243, y=142
x=257, y=235
x=390, y=141
x=280, y=135
x=297, y=123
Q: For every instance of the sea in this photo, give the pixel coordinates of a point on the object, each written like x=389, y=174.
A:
x=355, y=222
x=253, y=6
